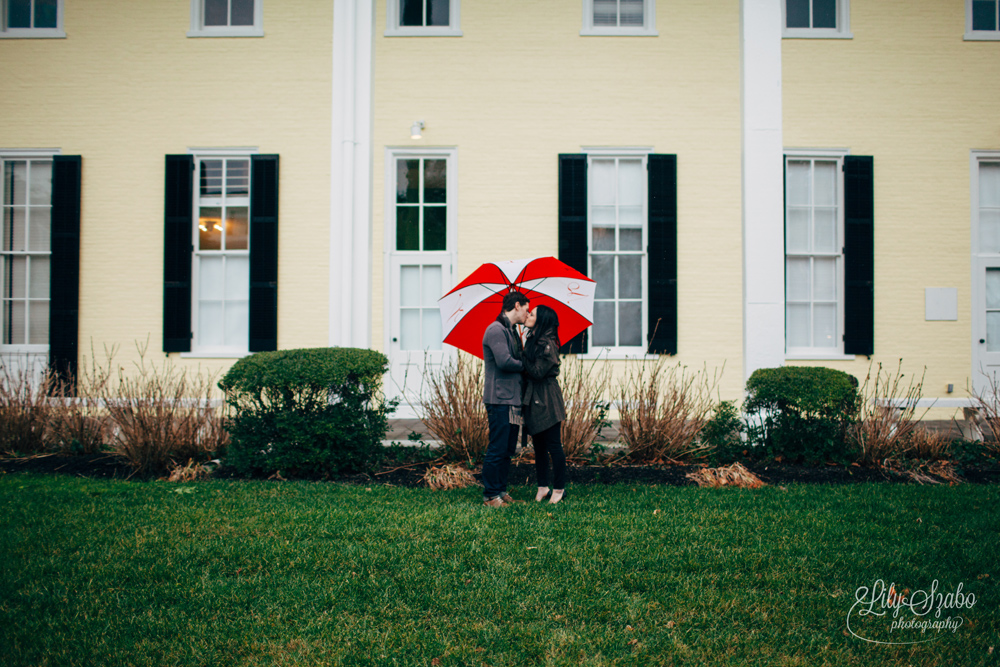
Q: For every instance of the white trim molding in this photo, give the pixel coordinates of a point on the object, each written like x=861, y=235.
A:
x=842, y=31
x=393, y=29
x=763, y=186
x=350, y=311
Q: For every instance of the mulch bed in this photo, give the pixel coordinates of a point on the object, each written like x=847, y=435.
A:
x=106, y=466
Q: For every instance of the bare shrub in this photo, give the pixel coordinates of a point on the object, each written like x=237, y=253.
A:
x=448, y=476
x=886, y=423
x=930, y=445
x=662, y=410
x=81, y=424
x=24, y=410
x=585, y=393
x=987, y=405
x=453, y=409
x=163, y=414
x=731, y=475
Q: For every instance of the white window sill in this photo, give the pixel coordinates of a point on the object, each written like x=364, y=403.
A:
x=815, y=33
x=32, y=33
x=618, y=356
x=24, y=349
x=433, y=31
x=619, y=32
x=982, y=36
x=214, y=355
x=818, y=356
x=248, y=31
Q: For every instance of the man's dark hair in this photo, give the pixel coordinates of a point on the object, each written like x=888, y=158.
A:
x=510, y=299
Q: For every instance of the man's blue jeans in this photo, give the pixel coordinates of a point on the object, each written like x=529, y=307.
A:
x=503, y=445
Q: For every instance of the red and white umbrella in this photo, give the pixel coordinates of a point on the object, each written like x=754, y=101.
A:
x=469, y=308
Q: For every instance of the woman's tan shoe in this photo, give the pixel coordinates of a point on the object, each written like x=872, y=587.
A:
x=557, y=495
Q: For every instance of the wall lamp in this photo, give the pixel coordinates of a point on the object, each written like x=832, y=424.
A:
x=416, y=129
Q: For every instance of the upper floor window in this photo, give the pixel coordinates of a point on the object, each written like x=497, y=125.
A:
x=226, y=18
x=31, y=18
x=413, y=18
x=816, y=18
x=982, y=19
x=619, y=17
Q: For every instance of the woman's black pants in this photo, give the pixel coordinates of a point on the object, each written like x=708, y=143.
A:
x=548, y=443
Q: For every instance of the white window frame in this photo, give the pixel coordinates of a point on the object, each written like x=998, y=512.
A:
x=393, y=29
x=14, y=155
x=819, y=353
x=199, y=29
x=977, y=35
x=648, y=28
x=842, y=31
x=197, y=350
x=622, y=352
x=32, y=33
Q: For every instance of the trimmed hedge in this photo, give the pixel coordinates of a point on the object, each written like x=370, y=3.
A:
x=306, y=413
x=802, y=413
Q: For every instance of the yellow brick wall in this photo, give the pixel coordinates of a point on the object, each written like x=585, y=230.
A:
x=125, y=88
x=522, y=85
x=908, y=90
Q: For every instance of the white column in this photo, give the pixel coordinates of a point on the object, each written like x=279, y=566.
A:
x=763, y=186
x=350, y=174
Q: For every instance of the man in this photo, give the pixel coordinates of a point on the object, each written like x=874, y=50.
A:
x=502, y=396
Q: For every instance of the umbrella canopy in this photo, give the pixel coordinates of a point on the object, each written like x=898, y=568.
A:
x=469, y=308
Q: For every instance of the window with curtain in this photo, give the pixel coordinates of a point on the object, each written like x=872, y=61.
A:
x=618, y=17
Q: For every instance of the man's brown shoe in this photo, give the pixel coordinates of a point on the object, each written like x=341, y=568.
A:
x=494, y=502
x=506, y=499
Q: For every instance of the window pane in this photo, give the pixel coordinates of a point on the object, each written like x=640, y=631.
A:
x=38, y=326
x=409, y=286
x=237, y=324
x=41, y=183
x=242, y=12
x=630, y=323
x=602, y=183
x=797, y=279
x=989, y=231
x=824, y=14
x=14, y=229
x=603, y=268
x=211, y=281
x=408, y=181
x=984, y=14
x=15, y=183
x=18, y=13
x=825, y=184
x=435, y=228
x=630, y=215
x=630, y=277
x=38, y=286
x=797, y=325
x=630, y=239
x=18, y=277
x=13, y=332
x=797, y=230
x=603, y=331
x=603, y=238
x=825, y=230
x=45, y=13
x=993, y=332
x=411, y=12
x=631, y=13
x=989, y=184
x=437, y=12
x=824, y=325
x=237, y=228
x=993, y=288
x=432, y=329
x=211, y=326
x=824, y=279
x=210, y=228
x=435, y=182
x=797, y=13
x=237, y=279
x=602, y=215
x=211, y=177
x=797, y=183
x=430, y=287
x=409, y=329
x=407, y=228
x=216, y=12
x=237, y=178
x=605, y=12
x=630, y=183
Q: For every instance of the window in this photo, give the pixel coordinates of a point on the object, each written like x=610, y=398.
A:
x=429, y=18
x=619, y=17
x=816, y=18
x=31, y=18
x=982, y=19
x=226, y=18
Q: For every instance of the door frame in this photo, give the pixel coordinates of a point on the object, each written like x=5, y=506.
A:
x=979, y=263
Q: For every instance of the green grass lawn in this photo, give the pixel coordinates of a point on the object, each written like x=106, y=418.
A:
x=290, y=573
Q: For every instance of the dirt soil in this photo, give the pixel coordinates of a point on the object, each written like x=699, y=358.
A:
x=106, y=466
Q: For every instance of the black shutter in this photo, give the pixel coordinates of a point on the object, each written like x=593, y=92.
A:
x=859, y=255
x=662, y=254
x=64, y=273
x=573, y=244
x=263, y=253
x=178, y=229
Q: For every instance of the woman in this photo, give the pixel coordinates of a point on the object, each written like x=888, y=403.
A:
x=544, y=410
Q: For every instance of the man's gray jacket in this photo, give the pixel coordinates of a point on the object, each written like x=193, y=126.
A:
x=503, y=369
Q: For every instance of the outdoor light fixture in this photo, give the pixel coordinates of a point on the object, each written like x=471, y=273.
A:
x=416, y=128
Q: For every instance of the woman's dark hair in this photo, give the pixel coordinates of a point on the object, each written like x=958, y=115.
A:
x=546, y=325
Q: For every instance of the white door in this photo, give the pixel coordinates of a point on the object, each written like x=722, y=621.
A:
x=986, y=274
